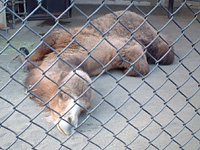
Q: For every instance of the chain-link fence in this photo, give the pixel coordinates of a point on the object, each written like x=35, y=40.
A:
x=158, y=109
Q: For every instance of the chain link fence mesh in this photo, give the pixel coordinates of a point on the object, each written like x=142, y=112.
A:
x=156, y=111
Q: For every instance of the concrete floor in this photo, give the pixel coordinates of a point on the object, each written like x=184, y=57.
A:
x=116, y=119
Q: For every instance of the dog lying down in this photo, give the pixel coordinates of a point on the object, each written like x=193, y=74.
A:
x=66, y=60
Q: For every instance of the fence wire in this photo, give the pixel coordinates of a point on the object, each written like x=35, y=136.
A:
x=159, y=110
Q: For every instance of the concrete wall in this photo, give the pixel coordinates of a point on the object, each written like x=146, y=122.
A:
x=2, y=16
x=126, y=2
x=177, y=3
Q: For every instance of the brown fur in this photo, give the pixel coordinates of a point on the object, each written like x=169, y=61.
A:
x=121, y=49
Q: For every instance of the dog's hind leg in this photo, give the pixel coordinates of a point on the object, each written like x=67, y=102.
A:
x=134, y=61
x=160, y=51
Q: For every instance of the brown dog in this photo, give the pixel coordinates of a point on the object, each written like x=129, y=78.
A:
x=66, y=59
